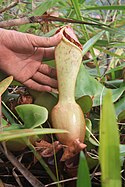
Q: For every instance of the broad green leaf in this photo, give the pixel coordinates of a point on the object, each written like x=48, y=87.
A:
x=4, y=84
x=120, y=106
x=32, y=115
x=116, y=93
x=121, y=116
x=109, y=152
x=122, y=154
x=44, y=99
x=88, y=85
x=12, y=134
x=122, y=150
x=85, y=103
x=83, y=173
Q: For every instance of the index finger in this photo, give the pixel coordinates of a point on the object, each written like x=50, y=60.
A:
x=38, y=41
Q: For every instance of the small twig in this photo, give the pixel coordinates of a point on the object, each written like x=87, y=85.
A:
x=24, y=171
x=9, y=6
x=61, y=181
x=93, y=174
x=17, y=178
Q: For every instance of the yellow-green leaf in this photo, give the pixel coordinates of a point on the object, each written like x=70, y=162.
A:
x=4, y=84
x=109, y=152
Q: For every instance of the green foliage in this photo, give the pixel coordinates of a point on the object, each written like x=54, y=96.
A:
x=83, y=173
x=20, y=133
x=32, y=115
x=85, y=103
x=87, y=85
x=91, y=42
x=4, y=84
x=93, y=82
x=109, y=152
x=120, y=109
x=111, y=7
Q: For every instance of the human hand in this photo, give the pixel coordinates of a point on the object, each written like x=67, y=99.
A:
x=21, y=55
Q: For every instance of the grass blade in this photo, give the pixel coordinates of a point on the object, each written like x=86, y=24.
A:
x=85, y=32
x=109, y=145
x=83, y=173
x=8, y=135
x=111, y=7
x=91, y=42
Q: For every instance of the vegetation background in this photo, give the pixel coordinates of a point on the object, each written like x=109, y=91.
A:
x=99, y=91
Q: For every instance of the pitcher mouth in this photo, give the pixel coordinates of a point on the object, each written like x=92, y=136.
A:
x=69, y=34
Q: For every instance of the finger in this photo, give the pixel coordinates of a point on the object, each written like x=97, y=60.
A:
x=46, y=53
x=49, y=53
x=38, y=41
x=47, y=70
x=36, y=86
x=44, y=79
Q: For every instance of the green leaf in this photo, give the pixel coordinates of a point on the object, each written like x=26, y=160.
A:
x=83, y=173
x=122, y=150
x=122, y=154
x=44, y=99
x=111, y=7
x=12, y=134
x=120, y=106
x=121, y=116
x=32, y=115
x=116, y=93
x=91, y=42
x=113, y=54
x=109, y=152
x=85, y=103
x=89, y=135
x=13, y=126
x=4, y=84
x=40, y=10
x=10, y=116
x=43, y=7
x=88, y=129
x=4, y=122
x=88, y=85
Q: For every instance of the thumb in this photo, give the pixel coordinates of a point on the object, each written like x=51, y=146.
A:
x=38, y=41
